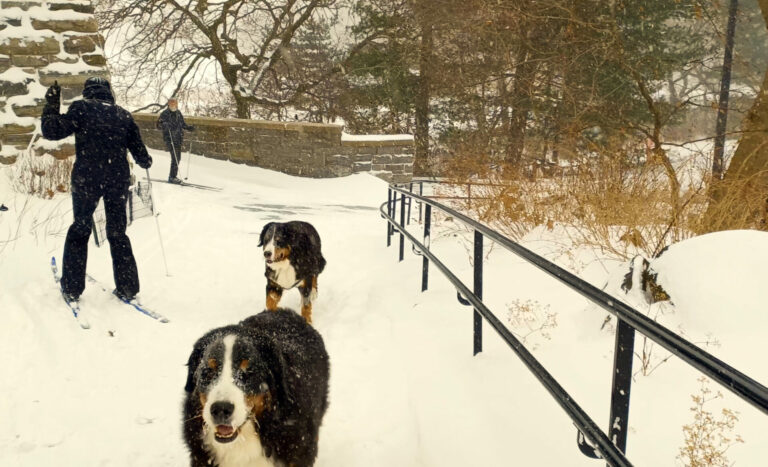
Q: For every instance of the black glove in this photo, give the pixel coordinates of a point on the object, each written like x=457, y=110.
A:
x=146, y=164
x=191, y=128
x=53, y=95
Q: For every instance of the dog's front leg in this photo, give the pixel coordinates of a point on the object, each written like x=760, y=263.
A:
x=274, y=293
x=308, y=292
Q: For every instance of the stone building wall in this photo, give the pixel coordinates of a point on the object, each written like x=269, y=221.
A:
x=305, y=149
x=42, y=42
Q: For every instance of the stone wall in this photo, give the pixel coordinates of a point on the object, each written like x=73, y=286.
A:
x=42, y=42
x=305, y=149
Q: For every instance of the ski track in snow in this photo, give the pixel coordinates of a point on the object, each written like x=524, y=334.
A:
x=405, y=389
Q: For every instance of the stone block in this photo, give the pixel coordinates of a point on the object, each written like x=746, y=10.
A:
x=29, y=110
x=401, y=178
x=5, y=63
x=396, y=148
x=362, y=158
x=16, y=129
x=361, y=167
x=79, y=45
x=35, y=61
x=242, y=154
x=317, y=132
x=78, y=7
x=67, y=25
x=64, y=151
x=382, y=159
x=95, y=60
x=71, y=92
x=338, y=159
x=48, y=77
x=18, y=140
x=45, y=46
x=8, y=160
x=8, y=88
x=23, y=4
x=377, y=167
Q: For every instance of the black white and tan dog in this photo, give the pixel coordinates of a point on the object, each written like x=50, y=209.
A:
x=293, y=258
x=256, y=393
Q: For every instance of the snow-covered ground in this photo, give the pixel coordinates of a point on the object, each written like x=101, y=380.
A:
x=405, y=389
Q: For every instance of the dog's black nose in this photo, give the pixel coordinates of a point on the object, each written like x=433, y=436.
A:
x=222, y=412
x=267, y=254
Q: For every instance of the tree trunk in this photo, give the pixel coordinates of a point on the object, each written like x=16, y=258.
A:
x=421, y=136
x=521, y=96
x=739, y=200
x=725, y=86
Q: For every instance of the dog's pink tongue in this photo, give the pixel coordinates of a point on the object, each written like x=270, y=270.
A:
x=225, y=431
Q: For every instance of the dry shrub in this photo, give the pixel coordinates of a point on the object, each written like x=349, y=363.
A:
x=614, y=200
x=530, y=318
x=740, y=204
x=42, y=176
x=707, y=439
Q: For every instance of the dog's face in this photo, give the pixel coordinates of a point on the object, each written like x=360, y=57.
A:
x=233, y=378
x=276, y=241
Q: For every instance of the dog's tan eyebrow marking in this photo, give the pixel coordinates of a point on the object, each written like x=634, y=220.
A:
x=244, y=364
x=212, y=363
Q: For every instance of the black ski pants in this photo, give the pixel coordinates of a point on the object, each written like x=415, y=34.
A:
x=76, y=246
x=174, y=147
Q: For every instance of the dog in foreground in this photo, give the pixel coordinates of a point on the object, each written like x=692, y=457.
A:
x=293, y=258
x=256, y=393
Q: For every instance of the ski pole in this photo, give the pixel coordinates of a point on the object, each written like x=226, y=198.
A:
x=157, y=223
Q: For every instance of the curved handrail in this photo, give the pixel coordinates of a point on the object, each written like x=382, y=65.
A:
x=732, y=379
x=582, y=421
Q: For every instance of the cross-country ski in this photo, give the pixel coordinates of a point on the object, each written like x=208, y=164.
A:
x=133, y=303
x=73, y=305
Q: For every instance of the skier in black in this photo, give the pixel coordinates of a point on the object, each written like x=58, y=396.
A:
x=171, y=123
x=103, y=131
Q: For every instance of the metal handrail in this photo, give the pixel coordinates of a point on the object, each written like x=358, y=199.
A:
x=731, y=378
x=582, y=421
x=628, y=319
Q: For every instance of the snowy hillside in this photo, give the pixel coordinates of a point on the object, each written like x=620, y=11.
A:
x=405, y=389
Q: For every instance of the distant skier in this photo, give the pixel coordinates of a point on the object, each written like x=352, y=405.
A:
x=171, y=123
x=103, y=131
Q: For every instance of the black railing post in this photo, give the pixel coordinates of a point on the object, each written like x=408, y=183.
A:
x=622, y=383
x=421, y=192
x=389, y=213
x=410, y=201
x=478, y=291
x=425, y=261
x=402, y=225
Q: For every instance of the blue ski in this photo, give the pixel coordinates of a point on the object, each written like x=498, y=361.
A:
x=74, y=305
x=134, y=303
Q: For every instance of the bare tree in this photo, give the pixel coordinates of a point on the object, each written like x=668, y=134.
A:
x=247, y=42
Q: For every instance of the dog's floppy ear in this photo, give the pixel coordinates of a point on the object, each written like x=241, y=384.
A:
x=194, y=361
x=274, y=357
x=264, y=232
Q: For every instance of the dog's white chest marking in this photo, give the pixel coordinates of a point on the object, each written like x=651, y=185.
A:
x=245, y=450
x=284, y=274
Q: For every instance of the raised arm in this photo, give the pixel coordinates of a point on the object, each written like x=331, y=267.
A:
x=54, y=125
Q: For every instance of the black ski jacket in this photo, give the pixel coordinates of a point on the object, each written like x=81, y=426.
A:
x=103, y=131
x=171, y=123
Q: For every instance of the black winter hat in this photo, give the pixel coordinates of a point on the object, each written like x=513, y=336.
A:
x=96, y=81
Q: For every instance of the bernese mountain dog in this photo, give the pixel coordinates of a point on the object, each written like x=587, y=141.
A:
x=293, y=258
x=256, y=393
